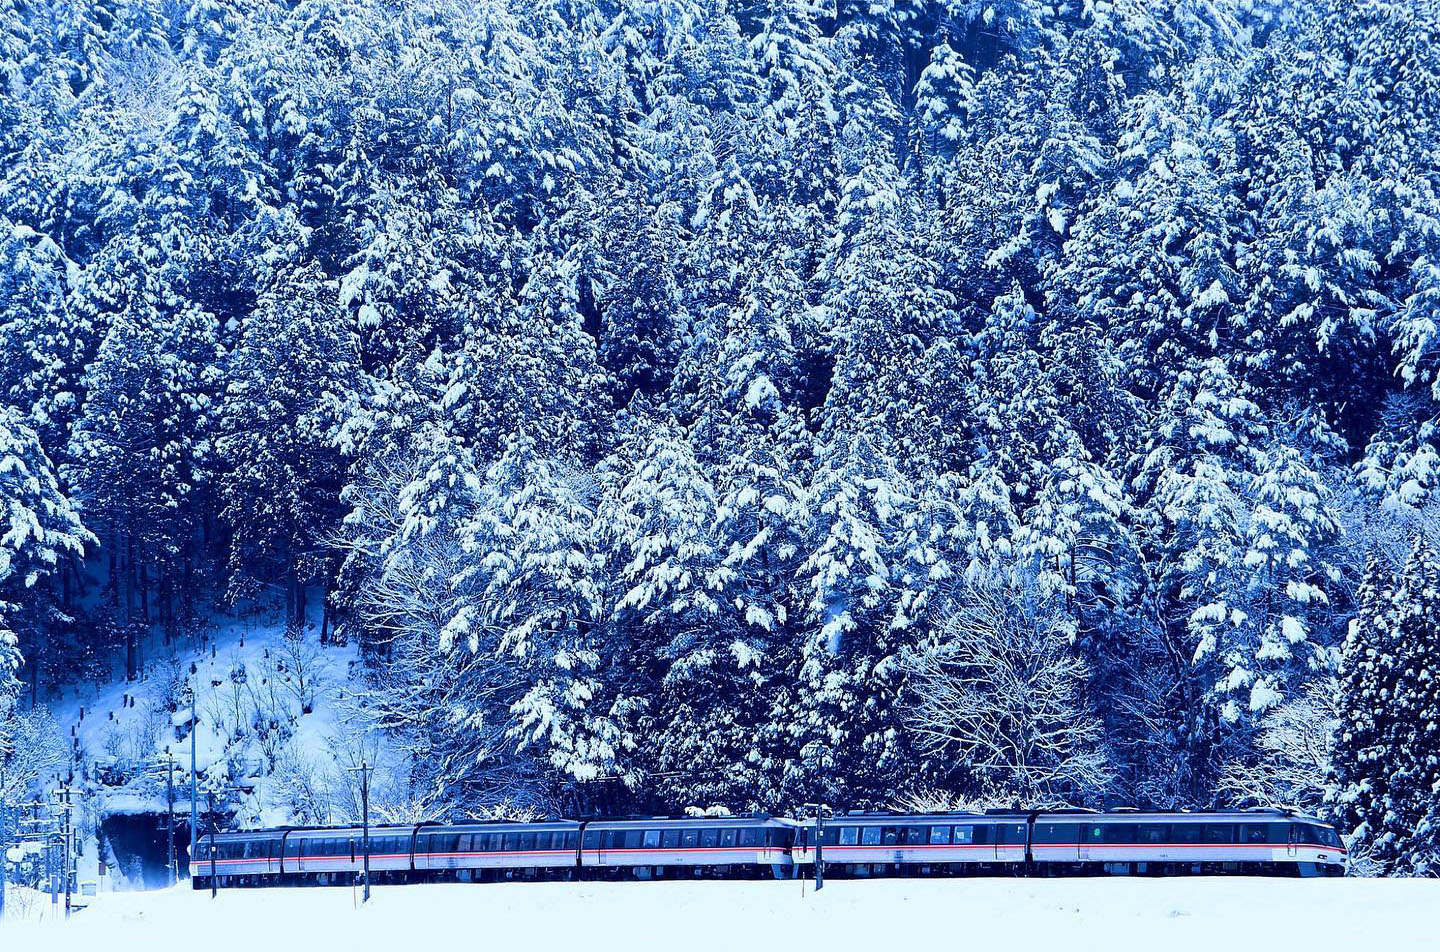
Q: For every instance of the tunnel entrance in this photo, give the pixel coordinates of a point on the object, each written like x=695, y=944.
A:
x=133, y=847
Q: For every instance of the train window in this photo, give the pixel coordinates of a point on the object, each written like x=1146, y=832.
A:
x=525, y=841
x=1187, y=832
x=1253, y=832
x=709, y=839
x=592, y=839
x=1153, y=833
x=651, y=839
x=963, y=835
x=1119, y=832
x=689, y=839
x=1327, y=836
x=916, y=835
x=849, y=835
x=507, y=841
x=831, y=836
x=870, y=835
x=548, y=840
x=1057, y=833
x=1219, y=833
x=940, y=835
x=670, y=839
x=1012, y=833
x=727, y=836
x=890, y=835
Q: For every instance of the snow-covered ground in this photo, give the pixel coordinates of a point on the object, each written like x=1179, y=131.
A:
x=1171, y=915
x=240, y=669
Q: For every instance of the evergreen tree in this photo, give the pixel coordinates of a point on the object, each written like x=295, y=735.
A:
x=292, y=384
x=41, y=529
x=1385, y=753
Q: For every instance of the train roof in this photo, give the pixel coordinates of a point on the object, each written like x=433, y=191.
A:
x=877, y=816
x=1124, y=815
x=389, y=829
x=486, y=826
x=682, y=822
x=1184, y=816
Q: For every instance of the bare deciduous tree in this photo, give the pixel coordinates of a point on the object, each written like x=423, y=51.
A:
x=1293, y=753
x=1002, y=689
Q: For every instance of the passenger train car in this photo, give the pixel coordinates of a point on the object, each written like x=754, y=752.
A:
x=719, y=846
x=1268, y=842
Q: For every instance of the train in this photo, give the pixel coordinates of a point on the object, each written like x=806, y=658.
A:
x=1268, y=842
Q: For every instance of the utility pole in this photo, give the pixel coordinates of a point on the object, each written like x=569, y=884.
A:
x=67, y=866
x=170, y=816
x=52, y=847
x=194, y=729
x=819, y=809
x=4, y=840
x=364, y=771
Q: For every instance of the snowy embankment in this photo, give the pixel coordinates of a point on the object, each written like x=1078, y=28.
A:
x=1100, y=914
x=272, y=745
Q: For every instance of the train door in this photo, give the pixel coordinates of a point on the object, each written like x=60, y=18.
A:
x=1010, y=842
x=1293, y=842
x=1088, y=835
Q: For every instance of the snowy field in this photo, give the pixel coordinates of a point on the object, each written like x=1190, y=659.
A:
x=1152, y=915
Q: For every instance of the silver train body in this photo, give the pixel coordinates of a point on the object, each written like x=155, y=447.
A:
x=1262, y=842
x=858, y=844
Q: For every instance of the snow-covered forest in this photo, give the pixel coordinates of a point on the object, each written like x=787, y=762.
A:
x=696, y=403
